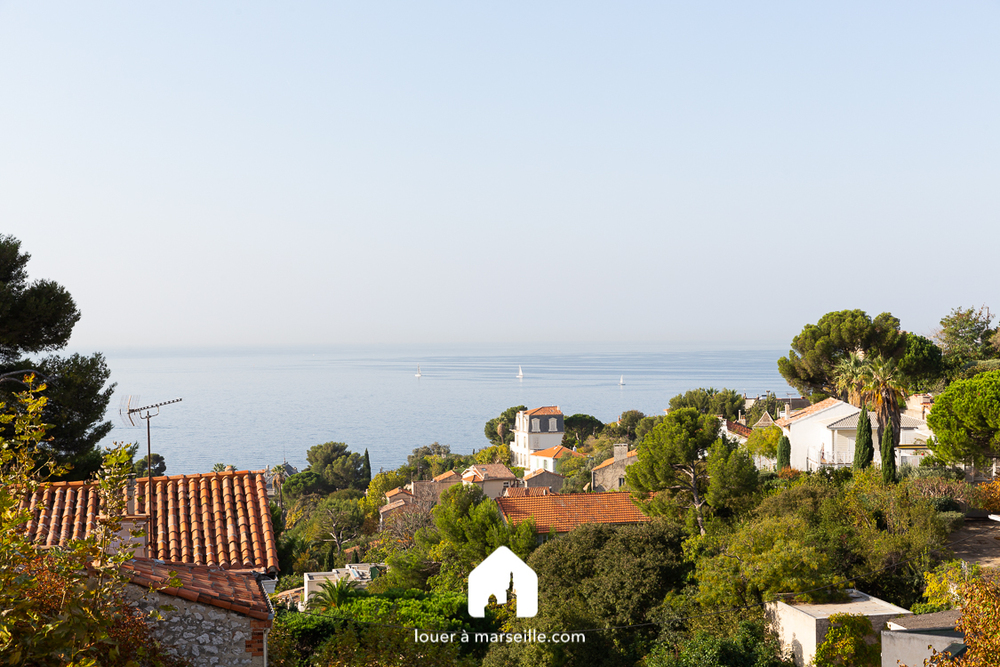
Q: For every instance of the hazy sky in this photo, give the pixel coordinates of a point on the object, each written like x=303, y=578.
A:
x=237, y=173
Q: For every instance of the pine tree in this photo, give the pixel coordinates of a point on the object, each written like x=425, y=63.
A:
x=366, y=470
x=864, y=448
x=784, y=453
x=888, y=456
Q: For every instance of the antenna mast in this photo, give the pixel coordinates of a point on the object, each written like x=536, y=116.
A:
x=146, y=412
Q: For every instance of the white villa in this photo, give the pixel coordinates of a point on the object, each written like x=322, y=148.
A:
x=824, y=435
x=535, y=430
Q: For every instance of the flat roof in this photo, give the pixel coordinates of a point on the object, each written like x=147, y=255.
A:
x=860, y=603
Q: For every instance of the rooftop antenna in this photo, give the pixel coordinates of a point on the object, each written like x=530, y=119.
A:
x=129, y=415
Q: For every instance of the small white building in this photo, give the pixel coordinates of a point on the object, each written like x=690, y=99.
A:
x=807, y=429
x=551, y=458
x=356, y=574
x=535, y=430
x=801, y=628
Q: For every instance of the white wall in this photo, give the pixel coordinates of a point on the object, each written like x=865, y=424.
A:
x=811, y=432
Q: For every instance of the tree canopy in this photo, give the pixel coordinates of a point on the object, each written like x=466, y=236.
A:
x=965, y=419
x=816, y=351
x=38, y=316
x=966, y=335
x=727, y=403
x=500, y=430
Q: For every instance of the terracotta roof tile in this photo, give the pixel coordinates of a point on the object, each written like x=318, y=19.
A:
x=564, y=512
x=236, y=591
x=607, y=462
x=483, y=471
x=446, y=476
x=556, y=452
x=523, y=491
x=738, y=428
x=547, y=410
x=536, y=473
x=811, y=410
x=221, y=519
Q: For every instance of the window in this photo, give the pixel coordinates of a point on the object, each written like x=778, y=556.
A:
x=621, y=482
x=553, y=425
x=536, y=424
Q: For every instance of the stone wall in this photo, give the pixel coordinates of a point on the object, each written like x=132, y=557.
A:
x=204, y=634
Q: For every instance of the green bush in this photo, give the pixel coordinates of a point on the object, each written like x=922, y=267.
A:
x=952, y=520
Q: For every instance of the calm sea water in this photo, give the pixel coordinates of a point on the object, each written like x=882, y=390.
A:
x=256, y=408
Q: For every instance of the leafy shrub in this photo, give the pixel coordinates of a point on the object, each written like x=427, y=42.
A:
x=952, y=520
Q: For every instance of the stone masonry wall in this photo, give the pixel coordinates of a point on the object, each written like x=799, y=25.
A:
x=204, y=634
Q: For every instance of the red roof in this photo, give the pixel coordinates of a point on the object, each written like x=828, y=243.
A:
x=221, y=518
x=484, y=471
x=564, y=512
x=811, y=410
x=522, y=491
x=447, y=476
x=556, y=452
x=738, y=428
x=235, y=591
x=547, y=410
x=396, y=491
x=607, y=462
x=540, y=471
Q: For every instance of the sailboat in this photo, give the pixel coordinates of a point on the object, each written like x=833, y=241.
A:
x=621, y=383
x=418, y=371
x=520, y=373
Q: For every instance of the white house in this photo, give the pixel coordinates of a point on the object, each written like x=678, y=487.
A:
x=913, y=435
x=550, y=459
x=808, y=433
x=535, y=430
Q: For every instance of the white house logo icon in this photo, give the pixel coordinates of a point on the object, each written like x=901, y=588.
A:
x=492, y=577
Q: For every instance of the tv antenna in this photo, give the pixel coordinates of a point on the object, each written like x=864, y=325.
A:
x=129, y=415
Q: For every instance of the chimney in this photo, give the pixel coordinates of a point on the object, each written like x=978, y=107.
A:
x=621, y=451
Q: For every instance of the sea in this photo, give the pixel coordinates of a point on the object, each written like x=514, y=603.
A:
x=252, y=408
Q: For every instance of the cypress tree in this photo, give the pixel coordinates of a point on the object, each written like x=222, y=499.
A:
x=366, y=470
x=864, y=448
x=888, y=456
x=784, y=453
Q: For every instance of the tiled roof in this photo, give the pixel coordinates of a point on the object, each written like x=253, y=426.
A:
x=446, y=476
x=547, y=410
x=522, y=491
x=536, y=473
x=236, y=591
x=811, y=410
x=564, y=512
x=739, y=429
x=484, y=471
x=395, y=492
x=556, y=452
x=851, y=422
x=607, y=462
x=221, y=519
x=764, y=421
x=401, y=505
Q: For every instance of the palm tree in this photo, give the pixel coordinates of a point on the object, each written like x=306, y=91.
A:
x=884, y=388
x=331, y=595
x=849, y=378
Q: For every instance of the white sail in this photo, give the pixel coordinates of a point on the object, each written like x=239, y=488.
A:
x=418, y=371
x=621, y=383
x=520, y=373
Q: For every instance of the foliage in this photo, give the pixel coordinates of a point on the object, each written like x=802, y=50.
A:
x=302, y=484
x=218, y=467
x=769, y=404
x=579, y=427
x=375, y=495
x=63, y=606
x=884, y=389
x=922, y=363
x=141, y=469
x=336, y=467
x=816, y=351
x=671, y=460
x=966, y=420
x=627, y=424
x=500, y=430
x=732, y=479
x=864, y=448
x=35, y=316
x=987, y=496
x=966, y=335
x=852, y=641
x=748, y=647
x=888, y=457
x=784, y=453
x=764, y=442
x=944, y=584
x=727, y=403
x=647, y=424
x=760, y=559
x=600, y=576
x=332, y=594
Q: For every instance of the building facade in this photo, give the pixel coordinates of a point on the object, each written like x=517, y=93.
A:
x=535, y=430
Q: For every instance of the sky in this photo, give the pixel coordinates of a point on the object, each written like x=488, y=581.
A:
x=292, y=174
